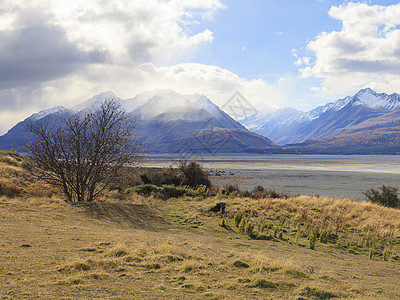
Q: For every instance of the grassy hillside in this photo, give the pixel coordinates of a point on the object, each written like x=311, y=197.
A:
x=373, y=141
x=129, y=246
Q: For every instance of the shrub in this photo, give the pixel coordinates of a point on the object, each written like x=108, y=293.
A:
x=193, y=175
x=387, y=196
x=200, y=191
x=166, y=176
x=260, y=192
x=245, y=194
x=168, y=191
x=145, y=189
x=232, y=189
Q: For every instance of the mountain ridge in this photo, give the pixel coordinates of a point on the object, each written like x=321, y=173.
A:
x=323, y=121
x=166, y=119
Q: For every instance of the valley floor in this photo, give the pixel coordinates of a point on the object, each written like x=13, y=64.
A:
x=325, y=175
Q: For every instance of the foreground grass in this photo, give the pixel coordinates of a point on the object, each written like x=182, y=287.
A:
x=169, y=250
x=150, y=248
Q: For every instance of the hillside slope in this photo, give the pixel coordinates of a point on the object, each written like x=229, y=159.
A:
x=384, y=140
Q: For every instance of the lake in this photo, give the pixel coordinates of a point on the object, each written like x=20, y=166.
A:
x=324, y=175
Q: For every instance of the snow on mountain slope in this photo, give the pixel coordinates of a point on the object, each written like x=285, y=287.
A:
x=128, y=105
x=290, y=125
x=273, y=120
x=372, y=99
x=94, y=101
x=45, y=112
x=366, y=97
x=332, y=106
x=168, y=101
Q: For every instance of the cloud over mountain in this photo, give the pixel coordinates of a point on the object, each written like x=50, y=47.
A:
x=364, y=52
x=53, y=52
x=56, y=53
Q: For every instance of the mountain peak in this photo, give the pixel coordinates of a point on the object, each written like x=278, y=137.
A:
x=43, y=113
x=366, y=91
x=96, y=100
x=168, y=101
x=372, y=99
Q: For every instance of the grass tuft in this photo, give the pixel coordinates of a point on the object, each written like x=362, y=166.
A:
x=263, y=284
x=240, y=264
x=318, y=294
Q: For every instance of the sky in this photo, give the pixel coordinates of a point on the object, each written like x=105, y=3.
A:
x=277, y=54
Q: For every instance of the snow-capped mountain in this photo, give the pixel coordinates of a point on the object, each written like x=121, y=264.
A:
x=272, y=121
x=45, y=112
x=372, y=99
x=365, y=97
x=167, y=122
x=286, y=126
x=162, y=102
x=94, y=102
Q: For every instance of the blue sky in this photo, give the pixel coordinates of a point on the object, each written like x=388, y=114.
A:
x=276, y=53
x=255, y=38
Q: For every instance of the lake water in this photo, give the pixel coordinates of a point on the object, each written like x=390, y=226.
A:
x=325, y=175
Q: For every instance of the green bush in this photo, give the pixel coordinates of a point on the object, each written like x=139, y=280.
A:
x=145, y=189
x=167, y=191
x=387, y=196
x=170, y=191
x=200, y=191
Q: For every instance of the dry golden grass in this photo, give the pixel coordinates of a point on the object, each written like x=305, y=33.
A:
x=153, y=249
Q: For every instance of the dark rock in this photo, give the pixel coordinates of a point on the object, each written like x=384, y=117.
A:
x=219, y=207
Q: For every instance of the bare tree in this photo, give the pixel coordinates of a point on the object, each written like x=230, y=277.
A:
x=84, y=153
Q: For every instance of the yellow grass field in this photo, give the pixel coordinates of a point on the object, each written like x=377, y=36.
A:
x=147, y=248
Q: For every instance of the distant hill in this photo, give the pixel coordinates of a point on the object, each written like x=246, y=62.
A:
x=379, y=135
x=168, y=122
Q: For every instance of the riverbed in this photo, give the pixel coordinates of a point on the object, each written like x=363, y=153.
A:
x=324, y=175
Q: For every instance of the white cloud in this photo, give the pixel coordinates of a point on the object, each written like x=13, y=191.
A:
x=365, y=52
x=216, y=83
x=124, y=32
x=56, y=52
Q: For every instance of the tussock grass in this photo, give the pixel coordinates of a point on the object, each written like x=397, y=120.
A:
x=15, y=180
x=359, y=228
x=145, y=247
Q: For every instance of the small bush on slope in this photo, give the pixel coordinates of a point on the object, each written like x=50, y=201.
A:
x=387, y=196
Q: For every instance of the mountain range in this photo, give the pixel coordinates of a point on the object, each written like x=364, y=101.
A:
x=168, y=122
x=366, y=123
